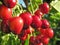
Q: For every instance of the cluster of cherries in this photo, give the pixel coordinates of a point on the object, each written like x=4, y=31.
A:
x=26, y=23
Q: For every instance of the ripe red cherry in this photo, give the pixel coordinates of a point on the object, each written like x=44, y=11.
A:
x=44, y=8
x=16, y=24
x=45, y=24
x=5, y=13
x=45, y=40
x=10, y=3
x=43, y=31
x=49, y=32
x=27, y=18
x=32, y=39
x=38, y=37
x=29, y=30
x=22, y=36
x=39, y=13
x=5, y=26
x=36, y=22
x=40, y=43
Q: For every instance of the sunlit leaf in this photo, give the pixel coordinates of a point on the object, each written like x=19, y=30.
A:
x=56, y=5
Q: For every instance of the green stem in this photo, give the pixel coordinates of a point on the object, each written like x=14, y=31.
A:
x=32, y=6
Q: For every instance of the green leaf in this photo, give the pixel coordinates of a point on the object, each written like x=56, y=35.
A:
x=27, y=40
x=56, y=5
x=5, y=37
x=39, y=1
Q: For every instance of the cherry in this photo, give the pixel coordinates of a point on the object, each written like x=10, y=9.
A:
x=36, y=22
x=16, y=24
x=38, y=40
x=23, y=36
x=5, y=26
x=10, y=3
x=32, y=39
x=44, y=8
x=49, y=33
x=45, y=40
x=39, y=36
x=40, y=43
x=45, y=24
x=29, y=30
x=42, y=31
x=38, y=13
x=27, y=18
x=5, y=13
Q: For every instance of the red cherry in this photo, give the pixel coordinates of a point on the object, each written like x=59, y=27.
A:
x=38, y=37
x=38, y=40
x=42, y=31
x=27, y=18
x=36, y=22
x=23, y=36
x=39, y=13
x=44, y=8
x=32, y=39
x=40, y=43
x=10, y=3
x=49, y=32
x=29, y=30
x=5, y=26
x=45, y=40
x=16, y=24
x=45, y=24
x=5, y=13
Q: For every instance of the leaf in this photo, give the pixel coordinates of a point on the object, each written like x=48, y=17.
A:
x=56, y=5
x=39, y=1
x=5, y=37
x=27, y=40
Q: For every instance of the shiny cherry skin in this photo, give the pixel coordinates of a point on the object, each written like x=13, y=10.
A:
x=36, y=22
x=49, y=33
x=23, y=36
x=38, y=13
x=16, y=24
x=45, y=40
x=27, y=18
x=5, y=13
x=10, y=3
x=45, y=24
x=40, y=43
x=5, y=26
x=32, y=39
x=44, y=8
x=42, y=31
